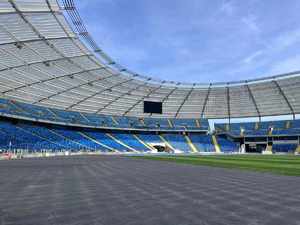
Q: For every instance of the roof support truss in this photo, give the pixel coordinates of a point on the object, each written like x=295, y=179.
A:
x=169, y=94
x=139, y=101
x=20, y=13
x=23, y=42
x=205, y=101
x=69, y=6
x=184, y=100
x=285, y=98
x=74, y=87
x=127, y=93
x=27, y=11
x=50, y=79
x=100, y=92
x=64, y=29
x=228, y=103
x=253, y=101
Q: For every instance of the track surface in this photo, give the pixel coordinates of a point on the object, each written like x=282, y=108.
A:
x=118, y=191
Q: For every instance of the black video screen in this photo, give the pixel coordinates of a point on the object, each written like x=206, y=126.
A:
x=152, y=107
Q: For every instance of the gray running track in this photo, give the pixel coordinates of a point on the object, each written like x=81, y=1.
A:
x=113, y=190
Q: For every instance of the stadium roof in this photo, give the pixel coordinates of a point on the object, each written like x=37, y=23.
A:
x=46, y=60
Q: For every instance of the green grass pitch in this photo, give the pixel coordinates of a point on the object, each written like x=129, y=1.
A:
x=278, y=164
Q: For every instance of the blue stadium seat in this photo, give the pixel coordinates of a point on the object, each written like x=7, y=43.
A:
x=177, y=141
x=90, y=119
x=131, y=141
x=202, y=142
x=106, y=140
x=227, y=146
x=284, y=147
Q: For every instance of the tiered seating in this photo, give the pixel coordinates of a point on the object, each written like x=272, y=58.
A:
x=75, y=138
x=96, y=120
x=124, y=121
x=184, y=123
x=131, y=141
x=155, y=122
x=202, y=142
x=36, y=137
x=177, y=141
x=150, y=138
x=35, y=111
x=9, y=107
x=250, y=128
x=227, y=146
x=284, y=147
x=261, y=129
x=106, y=140
x=89, y=119
x=221, y=127
x=50, y=136
x=16, y=137
x=70, y=116
x=190, y=123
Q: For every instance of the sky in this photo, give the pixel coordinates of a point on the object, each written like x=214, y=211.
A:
x=197, y=41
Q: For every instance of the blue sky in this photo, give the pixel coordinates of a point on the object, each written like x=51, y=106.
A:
x=197, y=40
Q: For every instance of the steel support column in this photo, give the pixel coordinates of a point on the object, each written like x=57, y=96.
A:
x=206, y=100
x=184, y=100
x=253, y=101
x=285, y=98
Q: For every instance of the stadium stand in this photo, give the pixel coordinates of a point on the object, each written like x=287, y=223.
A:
x=286, y=127
x=14, y=108
x=227, y=146
x=284, y=147
x=177, y=141
x=54, y=68
x=203, y=143
x=77, y=98
x=35, y=137
x=131, y=141
x=107, y=141
x=150, y=138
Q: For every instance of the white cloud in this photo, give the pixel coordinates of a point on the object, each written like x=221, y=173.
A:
x=285, y=40
x=251, y=23
x=289, y=65
x=227, y=7
x=252, y=57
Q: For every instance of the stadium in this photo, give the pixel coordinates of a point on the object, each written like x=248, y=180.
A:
x=100, y=144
